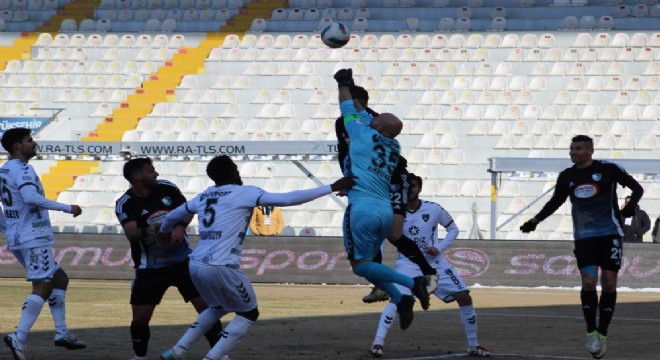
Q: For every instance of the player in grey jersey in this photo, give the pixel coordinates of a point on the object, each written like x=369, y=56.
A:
x=30, y=238
x=421, y=225
x=224, y=212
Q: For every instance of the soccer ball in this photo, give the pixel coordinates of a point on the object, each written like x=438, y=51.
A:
x=335, y=35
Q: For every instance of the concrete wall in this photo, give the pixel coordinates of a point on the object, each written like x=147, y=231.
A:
x=323, y=260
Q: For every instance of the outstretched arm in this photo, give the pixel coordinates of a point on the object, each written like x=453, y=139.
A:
x=32, y=197
x=302, y=196
x=558, y=198
x=181, y=213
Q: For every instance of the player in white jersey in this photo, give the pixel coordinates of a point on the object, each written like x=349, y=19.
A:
x=421, y=225
x=30, y=238
x=224, y=212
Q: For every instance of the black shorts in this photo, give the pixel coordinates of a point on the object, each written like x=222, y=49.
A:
x=150, y=285
x=603, y=251
x=399, y=192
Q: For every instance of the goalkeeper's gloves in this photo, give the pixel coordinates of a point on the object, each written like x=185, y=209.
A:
x=344, y=77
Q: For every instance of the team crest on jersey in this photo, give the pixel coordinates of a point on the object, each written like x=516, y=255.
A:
x=374, y=138
x=394, y=187
x=426, y=217
x=597, y=176
x=413, y=230
x=167, y=201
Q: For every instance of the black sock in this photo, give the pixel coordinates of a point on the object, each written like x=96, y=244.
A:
x=607, y=304
x=410, y=250
x=589, y=306
x=213, y=335
x=140, y=336
x=379, y=257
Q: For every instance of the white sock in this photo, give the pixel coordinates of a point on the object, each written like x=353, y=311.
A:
x=469, y=318
x=201, y=326
x=31, y=310
x=386, y=320
x=57, y=304
x=233, y=334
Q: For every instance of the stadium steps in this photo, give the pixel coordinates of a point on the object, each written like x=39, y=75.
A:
x=253, y=10
x=20, y=50
x=78, y=11
x=61, y=176
x=160, y=87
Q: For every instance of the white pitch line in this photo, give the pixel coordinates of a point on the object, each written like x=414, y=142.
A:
x=498, y=355
x=561, y=316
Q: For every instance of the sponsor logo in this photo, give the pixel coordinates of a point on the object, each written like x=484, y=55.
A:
x=586, y=191
x=157, y=217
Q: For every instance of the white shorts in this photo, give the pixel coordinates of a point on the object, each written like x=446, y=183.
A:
x=39, y=263
x=449, y=282
x=224, y=286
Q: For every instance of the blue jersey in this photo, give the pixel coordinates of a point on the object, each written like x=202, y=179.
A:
x=373, y=157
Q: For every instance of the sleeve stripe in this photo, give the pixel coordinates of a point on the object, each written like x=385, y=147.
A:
x=28, y=183
x=187, y=209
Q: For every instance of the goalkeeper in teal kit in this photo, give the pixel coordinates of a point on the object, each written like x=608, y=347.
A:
x=373, y=153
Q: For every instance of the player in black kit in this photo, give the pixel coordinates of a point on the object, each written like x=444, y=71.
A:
x=157, y=266
x=598, y=231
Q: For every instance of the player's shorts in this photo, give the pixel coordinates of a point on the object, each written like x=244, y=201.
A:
x=39, y=263
x=150, y=285
x=449, y=282
x=399, y=187
x=365, y=226
x=603, y=251
x=224, y=286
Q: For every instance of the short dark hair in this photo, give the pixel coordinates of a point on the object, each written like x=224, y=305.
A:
x=134, y=165
x=358, y=92
x=13, y=136
x=222, y=170
x=583, y=138
x=412, y=177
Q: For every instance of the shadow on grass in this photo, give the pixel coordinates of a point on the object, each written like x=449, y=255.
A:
x=549, y=332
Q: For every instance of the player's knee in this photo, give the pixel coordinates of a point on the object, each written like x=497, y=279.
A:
x=42, y=289
x=463, y=298
x=251, y=315
x=60, y=279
